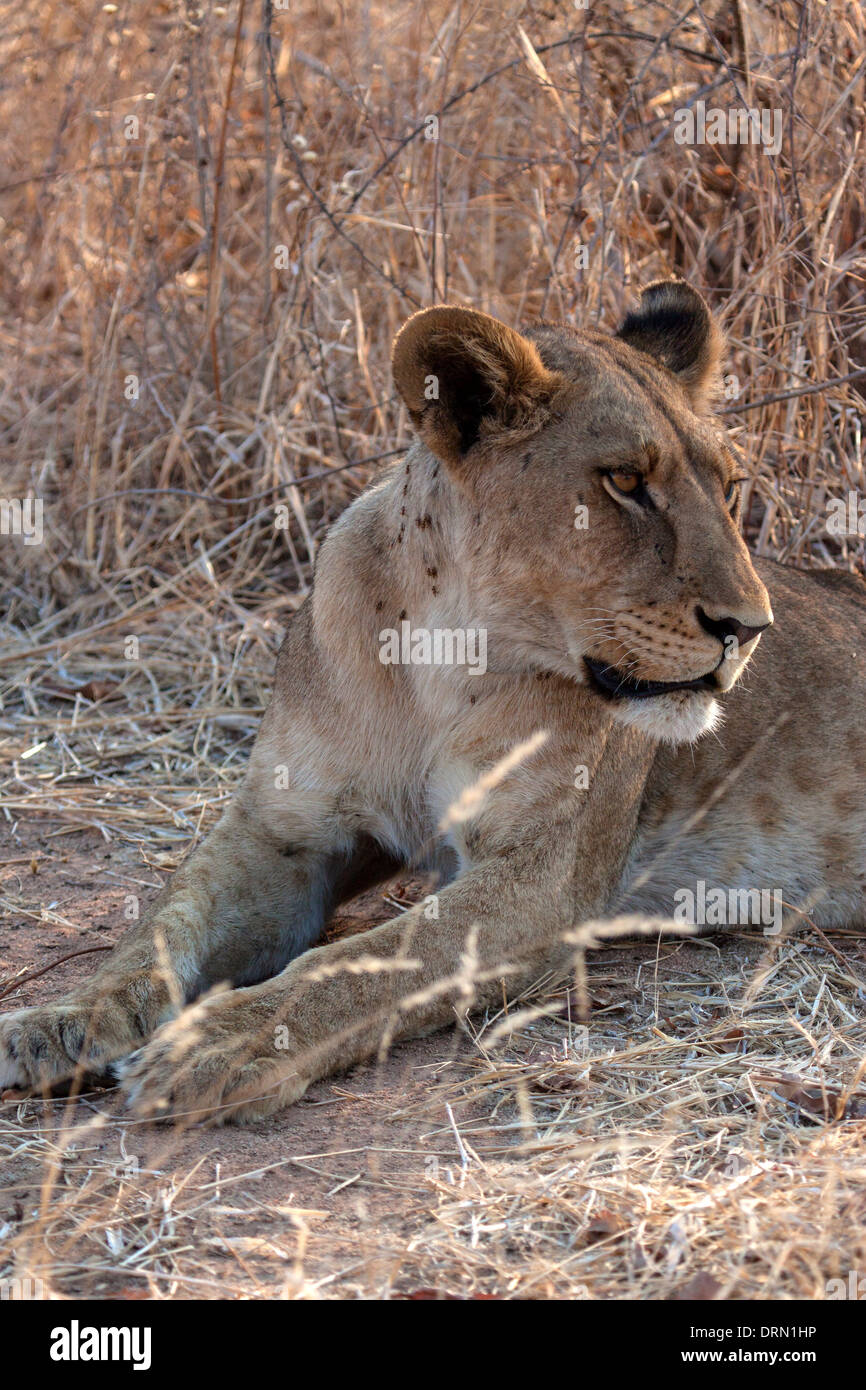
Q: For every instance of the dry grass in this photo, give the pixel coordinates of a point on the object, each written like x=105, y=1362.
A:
x=691, y=1142
x=657, y=1156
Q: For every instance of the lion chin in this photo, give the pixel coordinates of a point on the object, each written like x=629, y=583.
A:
x=682, y=716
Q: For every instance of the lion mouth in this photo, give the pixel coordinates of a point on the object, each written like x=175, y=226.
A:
x=617, y=685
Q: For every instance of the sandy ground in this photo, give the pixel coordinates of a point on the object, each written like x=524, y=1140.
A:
x=670, y=1168
x=350, y=1162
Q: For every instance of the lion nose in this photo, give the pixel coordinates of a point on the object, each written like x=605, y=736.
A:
x=723, y=628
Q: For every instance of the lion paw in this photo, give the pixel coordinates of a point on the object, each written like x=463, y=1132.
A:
x=45, y=1045
x=197, y=1069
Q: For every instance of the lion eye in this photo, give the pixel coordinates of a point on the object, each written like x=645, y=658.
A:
x=733, y=492
x=626, y=483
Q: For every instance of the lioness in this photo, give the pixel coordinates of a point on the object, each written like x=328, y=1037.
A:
x=566, y=498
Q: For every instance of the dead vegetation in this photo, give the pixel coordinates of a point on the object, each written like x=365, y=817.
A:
x=702, y=1137
x=214, y=220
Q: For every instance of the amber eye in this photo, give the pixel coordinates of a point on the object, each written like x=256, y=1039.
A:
x=626, y=483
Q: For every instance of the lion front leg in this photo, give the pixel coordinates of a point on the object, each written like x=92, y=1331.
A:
x=248, y=1053
x=239, y=909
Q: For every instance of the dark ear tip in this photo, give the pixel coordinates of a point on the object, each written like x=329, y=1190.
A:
x=665, y=300
x=673, y=324
x=674, y=291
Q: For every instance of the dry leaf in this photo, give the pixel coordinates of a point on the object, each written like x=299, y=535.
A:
x=91, y=690
x=701, y=1288
x=603, y=1225
x=812, y=1101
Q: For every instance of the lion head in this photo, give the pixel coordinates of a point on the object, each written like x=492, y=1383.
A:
x=597, y=504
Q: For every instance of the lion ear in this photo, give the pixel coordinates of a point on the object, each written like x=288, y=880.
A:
x=465, y=377
x=673, y=324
